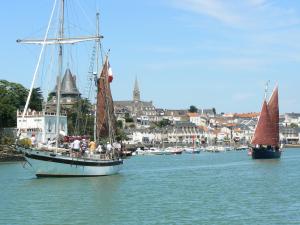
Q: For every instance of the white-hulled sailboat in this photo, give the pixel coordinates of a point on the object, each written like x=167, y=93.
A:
x=59, y=162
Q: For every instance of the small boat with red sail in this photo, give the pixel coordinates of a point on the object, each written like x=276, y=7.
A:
x=265, y=141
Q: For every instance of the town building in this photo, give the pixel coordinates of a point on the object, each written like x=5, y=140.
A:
x=142, y=112
x=41, y=124
x=289, y=135
x=197, y=119
x=292, y=118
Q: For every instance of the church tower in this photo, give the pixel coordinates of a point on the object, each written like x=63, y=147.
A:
x=136, y=92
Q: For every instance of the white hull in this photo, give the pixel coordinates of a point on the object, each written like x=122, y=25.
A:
x=192, y=150
x=63, y=166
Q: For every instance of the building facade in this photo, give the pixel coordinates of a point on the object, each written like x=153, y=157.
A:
x=142, y=112
x=41, y=124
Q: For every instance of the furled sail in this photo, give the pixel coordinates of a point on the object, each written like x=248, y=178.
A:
x=106, y=121
x=273, y=106
x=265, y=130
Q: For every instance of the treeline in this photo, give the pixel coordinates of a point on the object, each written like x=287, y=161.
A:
x=13, y=97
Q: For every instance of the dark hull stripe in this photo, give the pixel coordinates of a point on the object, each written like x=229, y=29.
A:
x=265, y=154
x=64, y=176
x=73, y=162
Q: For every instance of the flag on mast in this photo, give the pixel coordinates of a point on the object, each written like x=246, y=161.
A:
x=110, y=74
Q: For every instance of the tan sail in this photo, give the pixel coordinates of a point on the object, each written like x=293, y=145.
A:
x=106, y=120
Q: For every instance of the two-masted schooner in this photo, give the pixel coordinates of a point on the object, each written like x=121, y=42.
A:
x=60, y=162
x=265, y=141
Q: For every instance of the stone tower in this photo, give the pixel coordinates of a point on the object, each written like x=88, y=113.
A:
x=136, y=92
x=69, y=91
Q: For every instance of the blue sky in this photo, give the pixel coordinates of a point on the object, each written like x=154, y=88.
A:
x=207, y=53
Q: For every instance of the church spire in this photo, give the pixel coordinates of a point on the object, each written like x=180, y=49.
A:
x=136, y=91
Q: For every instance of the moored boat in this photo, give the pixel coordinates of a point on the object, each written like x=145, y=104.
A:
x=173, y=150
x=49, y=164
x=192, y=150
x=59, y=162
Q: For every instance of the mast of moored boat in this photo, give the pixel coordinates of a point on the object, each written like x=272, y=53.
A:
x=60, y=69
x=96, y=74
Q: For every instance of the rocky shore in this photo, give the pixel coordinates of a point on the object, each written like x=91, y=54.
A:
x=9, y=154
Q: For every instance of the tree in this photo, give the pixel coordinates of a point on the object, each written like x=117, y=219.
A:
x=193, y=109
x=81, y=118
x=294, y=125
x=214, y=111
x=164, y=123
x=13, y=96
x=121, y=135
x=128, y=119
x=36, y=100
x=119, y=124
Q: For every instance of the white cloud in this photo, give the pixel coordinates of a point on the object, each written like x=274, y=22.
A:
x=257, y=3
x=246, y=14
x=213, y=8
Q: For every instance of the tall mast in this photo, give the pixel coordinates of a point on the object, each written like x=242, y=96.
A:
x=60, y=69
x=97, y=68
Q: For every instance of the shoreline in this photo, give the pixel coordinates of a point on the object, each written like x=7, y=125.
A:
x=9, y=154
x=291, y=146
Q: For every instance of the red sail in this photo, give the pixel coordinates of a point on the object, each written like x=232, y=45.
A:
x=274, y=114
x=105, y=109
x=264, y=131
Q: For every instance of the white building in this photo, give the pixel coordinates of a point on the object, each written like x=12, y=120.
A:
x=143, y=136
x=143, y=121
x=292, y=118
x=197, y=119
x=41, y=124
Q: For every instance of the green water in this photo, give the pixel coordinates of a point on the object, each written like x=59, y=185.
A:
x=209, y=188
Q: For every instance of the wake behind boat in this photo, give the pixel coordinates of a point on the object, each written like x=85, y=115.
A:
x=61, y=162
x=265, y=141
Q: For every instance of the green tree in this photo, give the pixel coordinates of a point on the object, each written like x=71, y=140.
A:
x=121, y=135
x=13, y=96
x=294, y=125
x=128, y=119
x=81, y=118
x=36, y=100
x=119, y=124
x=193, y=109
x=214, y=111
x=164, y=123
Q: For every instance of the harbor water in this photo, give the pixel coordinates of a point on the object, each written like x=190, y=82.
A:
x=207, y=188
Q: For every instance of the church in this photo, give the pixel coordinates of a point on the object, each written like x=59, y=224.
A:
x=140, y=111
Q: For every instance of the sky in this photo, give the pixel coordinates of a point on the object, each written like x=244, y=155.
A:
x=207, y=53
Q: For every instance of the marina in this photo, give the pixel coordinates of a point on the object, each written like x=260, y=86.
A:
x=200, y=188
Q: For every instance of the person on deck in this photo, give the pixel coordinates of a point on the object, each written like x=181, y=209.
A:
x=84, y=146
x=108, y=147
x=99, y=149
x=92, y=147
x=76, y=146
x=33, y=140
